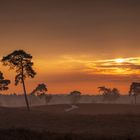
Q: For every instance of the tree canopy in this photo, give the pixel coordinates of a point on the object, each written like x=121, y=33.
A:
x=21, y=62
x=3, y=82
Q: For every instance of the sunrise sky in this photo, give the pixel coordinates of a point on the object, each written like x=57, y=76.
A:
x=76, y=44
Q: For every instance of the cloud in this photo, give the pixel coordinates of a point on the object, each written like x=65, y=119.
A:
x=128, y=66
x=107, y=66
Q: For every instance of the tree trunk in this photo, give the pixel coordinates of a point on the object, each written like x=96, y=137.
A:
x=24, y=89
x=25, y=95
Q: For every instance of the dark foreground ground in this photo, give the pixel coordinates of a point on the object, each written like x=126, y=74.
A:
x=89, y=121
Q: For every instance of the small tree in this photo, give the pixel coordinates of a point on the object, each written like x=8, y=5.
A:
x=115, y=92
x=109, y=94
x=104, y=91
x=3, y=82
x=21, y=62
x=75, y=96
x=134, y=90
x=41, y=91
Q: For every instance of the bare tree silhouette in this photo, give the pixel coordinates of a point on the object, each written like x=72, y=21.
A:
x=21, y=62
x=134, y=90
x=75, y=96
x=3, y=82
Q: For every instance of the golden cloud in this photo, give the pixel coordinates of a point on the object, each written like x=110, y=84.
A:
x=116, y=66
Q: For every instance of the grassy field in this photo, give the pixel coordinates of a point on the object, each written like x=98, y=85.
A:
x=89, y=121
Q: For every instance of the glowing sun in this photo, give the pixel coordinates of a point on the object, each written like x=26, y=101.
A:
x=119, y=60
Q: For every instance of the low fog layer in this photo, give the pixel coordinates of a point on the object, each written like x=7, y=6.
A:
x=18, y=101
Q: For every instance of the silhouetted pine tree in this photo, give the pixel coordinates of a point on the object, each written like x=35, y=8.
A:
x=21, y=62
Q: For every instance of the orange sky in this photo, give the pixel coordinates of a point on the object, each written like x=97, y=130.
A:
x=76, y=44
